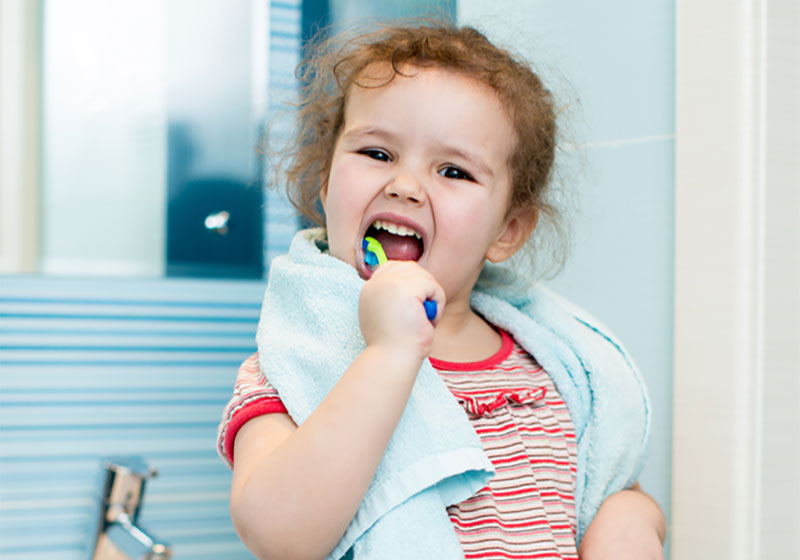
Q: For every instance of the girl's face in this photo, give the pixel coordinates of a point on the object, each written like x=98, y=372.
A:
x=423, y=165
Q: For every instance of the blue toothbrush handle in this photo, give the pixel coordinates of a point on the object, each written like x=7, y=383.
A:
x=430, y=308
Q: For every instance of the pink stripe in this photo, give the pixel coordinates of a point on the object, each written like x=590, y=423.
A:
x=513, y=556
x=490, y=530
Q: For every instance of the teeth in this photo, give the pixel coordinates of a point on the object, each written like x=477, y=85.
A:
x=395, y=229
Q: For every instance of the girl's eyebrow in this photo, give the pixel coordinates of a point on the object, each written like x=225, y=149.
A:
x=367, y=131
x=444, y=149
x=471, y=157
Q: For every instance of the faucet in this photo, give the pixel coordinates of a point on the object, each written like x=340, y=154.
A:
x=116, y=534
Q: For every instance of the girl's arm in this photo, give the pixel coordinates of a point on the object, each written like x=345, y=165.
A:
x=296, y=489
x=628, y=526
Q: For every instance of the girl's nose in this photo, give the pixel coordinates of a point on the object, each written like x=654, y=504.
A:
x=405, y=188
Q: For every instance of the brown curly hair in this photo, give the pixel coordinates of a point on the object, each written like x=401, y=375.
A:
x=332, y=66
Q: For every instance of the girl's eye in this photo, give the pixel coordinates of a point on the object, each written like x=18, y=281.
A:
x=380, y=155
x=453, y=172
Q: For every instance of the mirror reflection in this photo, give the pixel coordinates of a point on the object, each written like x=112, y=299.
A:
x=151, y=117
x=150, y=125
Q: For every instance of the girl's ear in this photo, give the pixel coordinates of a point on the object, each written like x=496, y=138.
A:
x=518, y=228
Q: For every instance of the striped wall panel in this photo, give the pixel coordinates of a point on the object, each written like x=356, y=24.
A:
x=91, y=368
x=285, y=24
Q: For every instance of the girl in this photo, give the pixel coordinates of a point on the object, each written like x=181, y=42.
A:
x=511, y=425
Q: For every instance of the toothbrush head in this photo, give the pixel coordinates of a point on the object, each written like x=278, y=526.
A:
x=370, y=259
x=373, y=252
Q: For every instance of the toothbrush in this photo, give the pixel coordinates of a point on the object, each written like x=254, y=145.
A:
x=375, y=256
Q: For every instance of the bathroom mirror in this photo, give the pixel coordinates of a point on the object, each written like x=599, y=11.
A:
x=149, y=126
x=151, y=116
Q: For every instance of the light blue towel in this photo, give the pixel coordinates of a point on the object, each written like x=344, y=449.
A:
x=606, y=397
x=308, y=336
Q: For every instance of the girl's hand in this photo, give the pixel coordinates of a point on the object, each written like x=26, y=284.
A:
x=628, y=526
x=391, y=311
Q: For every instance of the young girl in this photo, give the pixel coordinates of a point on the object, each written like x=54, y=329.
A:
x=511, y=424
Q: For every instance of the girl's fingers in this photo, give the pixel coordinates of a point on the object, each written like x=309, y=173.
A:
x=392, y=306
x=431, y=294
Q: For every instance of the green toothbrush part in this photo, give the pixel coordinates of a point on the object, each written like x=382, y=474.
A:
x=377, y=256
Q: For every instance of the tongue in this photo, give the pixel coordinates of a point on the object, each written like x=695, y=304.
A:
x=399, y=247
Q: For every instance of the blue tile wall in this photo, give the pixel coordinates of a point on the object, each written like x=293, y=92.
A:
x=92, y=368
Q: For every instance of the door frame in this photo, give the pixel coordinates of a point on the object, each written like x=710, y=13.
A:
x=736, y=422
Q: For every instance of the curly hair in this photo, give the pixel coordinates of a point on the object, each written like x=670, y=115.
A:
x=332, y=66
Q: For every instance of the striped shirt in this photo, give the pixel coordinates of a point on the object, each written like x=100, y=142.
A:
x=527, y=511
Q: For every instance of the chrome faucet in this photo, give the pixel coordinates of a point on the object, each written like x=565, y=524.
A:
x=116, y=534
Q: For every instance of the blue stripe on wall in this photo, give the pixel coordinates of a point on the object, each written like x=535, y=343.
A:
x=285, y=39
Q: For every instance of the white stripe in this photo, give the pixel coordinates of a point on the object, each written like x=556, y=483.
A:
x=617, y=143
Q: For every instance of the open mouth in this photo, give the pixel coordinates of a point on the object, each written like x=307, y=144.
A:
x=400, y=243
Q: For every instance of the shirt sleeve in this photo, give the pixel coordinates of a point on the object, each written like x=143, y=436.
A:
x=252, y=396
